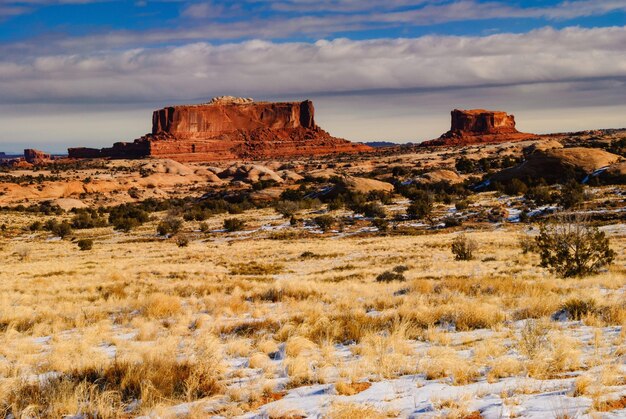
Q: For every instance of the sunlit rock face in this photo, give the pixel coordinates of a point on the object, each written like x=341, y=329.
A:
x=229, y=128
x=477, y=126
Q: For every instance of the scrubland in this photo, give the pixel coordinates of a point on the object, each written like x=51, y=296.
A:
x=271, y=322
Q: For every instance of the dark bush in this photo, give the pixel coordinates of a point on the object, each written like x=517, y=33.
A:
x=390, y=276
x=420, y=209
x=85, y=244
x=169, y=226
x=36, y=226
x=540, y=195
x=572, y=195
x=325, y=222
x=572, y=248
x=579, y=308
x=61, y=229
x=461, y=205
x=452, y=221
x=372, y=210
x=85, y=219
x=381, y=224
x=465, y=165
x=234, y=224
x=463, y=248
x=182, y=241
x=515, y=187
x=127, y=216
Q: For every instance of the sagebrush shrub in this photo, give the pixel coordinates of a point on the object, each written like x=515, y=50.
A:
x=85, y=244
x=578, y=308
x=234, y=224
x=573, y=249
x=463, y=248
x=170, y=225
x=325, y=222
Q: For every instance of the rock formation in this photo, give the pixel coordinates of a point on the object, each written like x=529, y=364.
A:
x=477, y=126
x=35, y=156
x=439, y=176
x=230, y=128
x=558, y=164
x=615, y=174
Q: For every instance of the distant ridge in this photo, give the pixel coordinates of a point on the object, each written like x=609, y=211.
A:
x=380, y=144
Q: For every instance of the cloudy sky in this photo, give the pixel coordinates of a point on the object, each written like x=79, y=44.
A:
x=85, y=72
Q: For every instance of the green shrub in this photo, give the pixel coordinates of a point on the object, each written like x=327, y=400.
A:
x=85, y=219
x=126, y=217
x=420, y=209
x=234, y=224
x=169, y=225
x=182, y=241
x=540, y=195
x=451, y=221
x=85, y=244
x=381, y=224
x=461, y=205
x=36, y=226
x=390, y=276
x=515, y=187
x=573, y=249
x=579, y=308
x=526, y=243
x=463, y=248
x=373, y=210
x=572, y=195
x=465, y=165
x=325, y=222
x=61, y=229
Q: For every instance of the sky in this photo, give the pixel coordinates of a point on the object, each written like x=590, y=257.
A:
x=90, y=73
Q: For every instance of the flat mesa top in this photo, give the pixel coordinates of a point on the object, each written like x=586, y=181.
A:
x=477, y=111
x=221, y=101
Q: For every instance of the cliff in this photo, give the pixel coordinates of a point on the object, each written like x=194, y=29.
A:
x=477, y=126
x=230, y=129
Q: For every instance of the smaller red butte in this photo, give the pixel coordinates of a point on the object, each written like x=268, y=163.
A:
x=477, y=126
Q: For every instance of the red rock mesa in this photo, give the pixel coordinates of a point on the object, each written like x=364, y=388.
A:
x=229, y=128
x=478, y=126
x=35, y=156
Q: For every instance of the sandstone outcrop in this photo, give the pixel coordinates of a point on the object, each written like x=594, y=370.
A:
x=615, y=174
x=36, y=156
x=558, y=164
x=479, y=126
x=359, y=184
x=230, y=128
x=440, y=176
x=250, y=173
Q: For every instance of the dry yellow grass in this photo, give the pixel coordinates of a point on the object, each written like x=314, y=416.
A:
x=131, y=313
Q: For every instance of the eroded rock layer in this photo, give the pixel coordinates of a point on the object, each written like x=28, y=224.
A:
x=478, y=126
x=230, y=129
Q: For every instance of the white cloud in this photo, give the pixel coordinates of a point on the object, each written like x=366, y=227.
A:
x=342, y=65
x=392, y=88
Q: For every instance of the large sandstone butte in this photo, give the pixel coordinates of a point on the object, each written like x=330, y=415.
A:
x=230, y=128
x=478, y=126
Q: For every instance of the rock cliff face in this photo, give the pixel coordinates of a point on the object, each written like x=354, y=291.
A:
x=35, y=156
x=228, y=129
x=478, y=126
